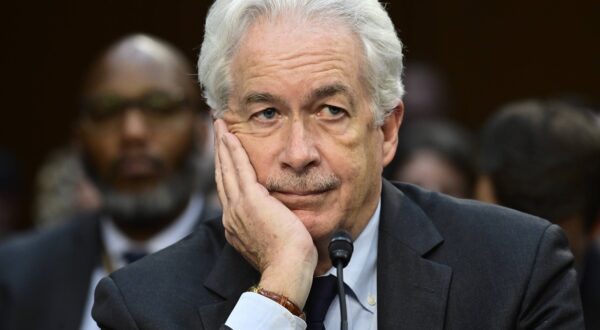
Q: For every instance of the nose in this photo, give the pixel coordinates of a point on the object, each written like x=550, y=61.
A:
x=134, y=128
x=300, y=152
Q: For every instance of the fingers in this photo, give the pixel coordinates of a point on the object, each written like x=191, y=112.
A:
x=228, y=174
x=244, y=170
x=234, y=158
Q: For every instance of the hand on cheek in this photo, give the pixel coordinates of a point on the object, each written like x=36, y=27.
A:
x=260, y=227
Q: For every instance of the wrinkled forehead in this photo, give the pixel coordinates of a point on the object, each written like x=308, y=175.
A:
x=289, y=48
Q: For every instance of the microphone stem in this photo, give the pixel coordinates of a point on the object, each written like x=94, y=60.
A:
x=342, y=294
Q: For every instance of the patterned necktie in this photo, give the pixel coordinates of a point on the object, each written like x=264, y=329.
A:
x=322, y=292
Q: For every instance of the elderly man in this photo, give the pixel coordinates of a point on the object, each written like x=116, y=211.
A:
x=138, y=135
x=308, y=100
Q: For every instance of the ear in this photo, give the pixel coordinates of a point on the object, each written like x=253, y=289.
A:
x=390, y=133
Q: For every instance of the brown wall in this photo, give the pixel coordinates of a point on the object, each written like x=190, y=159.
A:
x=490, y=52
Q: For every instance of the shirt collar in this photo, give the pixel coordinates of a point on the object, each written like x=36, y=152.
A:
x=116, y=242
x=361, y=273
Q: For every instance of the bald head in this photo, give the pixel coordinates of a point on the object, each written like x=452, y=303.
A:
x=140, y=62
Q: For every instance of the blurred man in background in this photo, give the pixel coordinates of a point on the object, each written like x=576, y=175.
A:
x=543, y=158
x=140, y=135
x=436, y=155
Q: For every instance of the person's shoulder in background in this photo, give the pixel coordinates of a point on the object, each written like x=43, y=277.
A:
x=39, y=268
x=46, y=244
x=168, y=282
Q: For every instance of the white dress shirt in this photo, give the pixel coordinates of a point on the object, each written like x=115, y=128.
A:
x=116, y=243
x=253, y=311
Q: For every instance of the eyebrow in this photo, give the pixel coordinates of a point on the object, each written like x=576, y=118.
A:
x=330, y=90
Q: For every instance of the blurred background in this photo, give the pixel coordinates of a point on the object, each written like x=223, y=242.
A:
x=464, y=59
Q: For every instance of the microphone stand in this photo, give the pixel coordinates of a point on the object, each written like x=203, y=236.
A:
x=342, y=294
x=340, y=252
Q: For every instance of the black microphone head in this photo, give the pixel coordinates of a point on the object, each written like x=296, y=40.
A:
x=340, y=248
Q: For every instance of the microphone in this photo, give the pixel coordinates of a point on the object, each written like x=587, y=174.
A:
x=340, y=252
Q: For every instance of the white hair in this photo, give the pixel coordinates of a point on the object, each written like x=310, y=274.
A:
x=228, y=20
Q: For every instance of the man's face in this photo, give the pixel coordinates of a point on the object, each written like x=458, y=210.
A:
x=137, y=130
x=302, y=112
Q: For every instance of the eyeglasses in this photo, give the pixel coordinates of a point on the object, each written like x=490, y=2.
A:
x=110, y=108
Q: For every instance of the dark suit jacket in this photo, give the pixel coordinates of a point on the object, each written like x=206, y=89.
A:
x=443, y=263
x=590, y=287
x=45, y=276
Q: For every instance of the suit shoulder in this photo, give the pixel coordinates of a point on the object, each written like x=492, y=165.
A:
x=46, y=243
x=509, y=266
x=176, y=268
x=476, y=233
x=465, y=215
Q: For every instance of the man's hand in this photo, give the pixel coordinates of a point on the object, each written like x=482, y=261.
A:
x=269, y=236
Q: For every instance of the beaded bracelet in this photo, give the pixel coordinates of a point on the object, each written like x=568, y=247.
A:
x=282, y=300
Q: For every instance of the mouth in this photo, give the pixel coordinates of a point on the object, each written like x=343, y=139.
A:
x=304, y=199
x=299, y=193
x=137, y=168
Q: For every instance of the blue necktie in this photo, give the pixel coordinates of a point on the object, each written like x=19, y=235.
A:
x=322, y=292
x=133, y=256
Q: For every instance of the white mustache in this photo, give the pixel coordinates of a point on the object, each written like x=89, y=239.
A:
x=306, y=182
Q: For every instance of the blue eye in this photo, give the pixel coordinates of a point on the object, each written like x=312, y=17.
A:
x=334, y=110
x=330, y=112
x=268, y=114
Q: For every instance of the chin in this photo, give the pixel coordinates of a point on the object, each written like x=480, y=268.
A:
x=320, y=226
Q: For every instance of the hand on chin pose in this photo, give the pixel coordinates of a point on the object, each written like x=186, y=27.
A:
x=269, y=236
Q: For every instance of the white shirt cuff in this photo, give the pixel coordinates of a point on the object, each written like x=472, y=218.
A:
x=254, y=311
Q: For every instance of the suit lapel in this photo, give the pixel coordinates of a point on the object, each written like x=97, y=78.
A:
x=231, y=276
x=412, y=291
